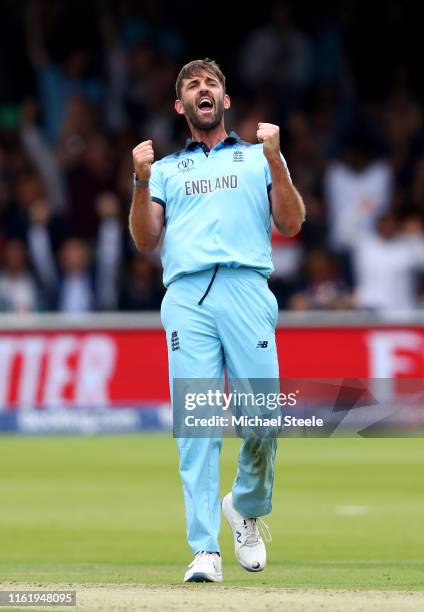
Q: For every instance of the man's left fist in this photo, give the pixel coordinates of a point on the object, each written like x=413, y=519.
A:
x=269, y=134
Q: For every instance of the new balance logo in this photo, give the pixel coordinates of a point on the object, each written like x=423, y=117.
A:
x=262, y=344
x=175, y=342
x=238, y=156
x=238, y=536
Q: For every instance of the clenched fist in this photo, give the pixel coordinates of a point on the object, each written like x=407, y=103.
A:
x=143, y=156
x=269, y=134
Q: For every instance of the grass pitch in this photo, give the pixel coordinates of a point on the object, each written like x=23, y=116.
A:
x=348, y=513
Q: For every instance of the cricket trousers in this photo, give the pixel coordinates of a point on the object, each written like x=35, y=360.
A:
x=232, y=329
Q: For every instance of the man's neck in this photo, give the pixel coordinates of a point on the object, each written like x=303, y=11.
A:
x=209, y=137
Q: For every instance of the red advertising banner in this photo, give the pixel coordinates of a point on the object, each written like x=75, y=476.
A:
x=73, y=368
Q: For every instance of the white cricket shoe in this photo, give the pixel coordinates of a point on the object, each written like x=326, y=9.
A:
x=205, y=567
x=248, y=544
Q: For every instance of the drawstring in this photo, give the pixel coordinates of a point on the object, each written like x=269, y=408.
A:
x=209, y=286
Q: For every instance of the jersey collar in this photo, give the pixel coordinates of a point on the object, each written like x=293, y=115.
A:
x=232, y=138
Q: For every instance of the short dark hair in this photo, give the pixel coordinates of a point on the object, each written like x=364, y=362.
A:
x=194, y=68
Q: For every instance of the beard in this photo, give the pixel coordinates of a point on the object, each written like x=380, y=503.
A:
x=194, y=116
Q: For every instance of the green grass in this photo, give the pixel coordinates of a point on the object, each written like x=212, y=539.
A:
x=110, y=509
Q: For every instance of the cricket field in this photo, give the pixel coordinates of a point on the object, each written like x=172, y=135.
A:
x=104, y=516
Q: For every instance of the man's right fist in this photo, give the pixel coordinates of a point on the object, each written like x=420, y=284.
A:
x=143, y=156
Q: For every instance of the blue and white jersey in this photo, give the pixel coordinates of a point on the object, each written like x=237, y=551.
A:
x=216, y=205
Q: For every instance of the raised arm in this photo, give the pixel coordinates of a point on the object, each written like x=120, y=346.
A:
x=288, y=210
x=146, y=217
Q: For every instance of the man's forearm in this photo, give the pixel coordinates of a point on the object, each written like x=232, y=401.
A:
x=288, y=210
x=146, y=223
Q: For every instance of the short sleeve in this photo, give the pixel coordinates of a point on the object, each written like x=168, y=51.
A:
x=268, y=172
x=156, y=185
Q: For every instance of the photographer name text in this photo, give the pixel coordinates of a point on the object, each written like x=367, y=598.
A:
x=252, y=421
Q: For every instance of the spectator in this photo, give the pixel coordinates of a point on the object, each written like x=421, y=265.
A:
x=57, y=81
x=28, y=187
x=385, y=264
x=323, y=287
x=305, y=153
x=17, y=288
x=143, y=289
x=76, y=287
x=42, y=158
x=86, y=181
x=44, y=235
x=358, y=189
x=286, y=255
x=277, y=54
x=78, y=127
x=108, y=251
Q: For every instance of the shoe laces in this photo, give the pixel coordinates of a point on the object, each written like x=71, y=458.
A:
x=201, y=555
x=254, y=529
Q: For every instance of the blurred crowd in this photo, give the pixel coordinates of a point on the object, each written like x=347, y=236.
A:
x=82, y=83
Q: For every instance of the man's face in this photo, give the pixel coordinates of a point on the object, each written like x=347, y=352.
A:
x=387, y=227
x=202, y=101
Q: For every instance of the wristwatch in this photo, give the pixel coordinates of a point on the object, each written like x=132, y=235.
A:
x=138, y=182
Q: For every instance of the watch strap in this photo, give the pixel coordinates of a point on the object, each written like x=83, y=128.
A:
x=138, y=182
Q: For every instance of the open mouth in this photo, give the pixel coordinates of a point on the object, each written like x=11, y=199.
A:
x=205, y=105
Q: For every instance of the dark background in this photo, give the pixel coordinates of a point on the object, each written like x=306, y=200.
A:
x=86, y=81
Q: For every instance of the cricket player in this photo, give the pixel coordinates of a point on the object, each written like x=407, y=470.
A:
x=214, y=200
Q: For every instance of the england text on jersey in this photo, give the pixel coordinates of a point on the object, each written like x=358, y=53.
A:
x=210, y=185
